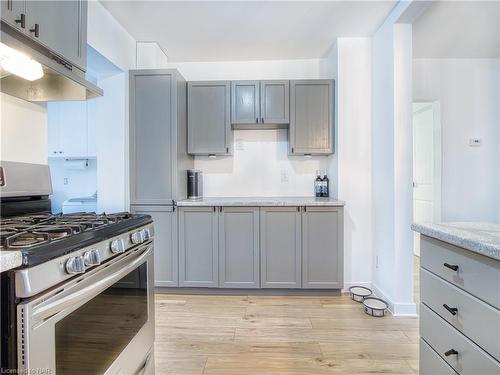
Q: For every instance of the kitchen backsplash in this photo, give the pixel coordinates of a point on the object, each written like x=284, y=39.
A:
x=260, y=166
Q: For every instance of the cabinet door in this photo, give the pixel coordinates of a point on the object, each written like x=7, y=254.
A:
x=198, y=247
x=62, y=27
x=165, y=243
x=73, y=129
x=311, y=117
x=275, y=102
x=53, y=122
x=150, y=138
x=245, y=102
x=12, y=11
x=208, y=118
x=239, y=247
x=280, y=243
x=322, y=248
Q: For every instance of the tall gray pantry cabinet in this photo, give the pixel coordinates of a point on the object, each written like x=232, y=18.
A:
x=159, y=159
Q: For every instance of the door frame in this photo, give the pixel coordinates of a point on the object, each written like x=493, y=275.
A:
x=438, y=156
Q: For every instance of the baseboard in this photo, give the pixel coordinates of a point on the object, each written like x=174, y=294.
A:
x=347, y=285
x=249, y=292
x=396, y=308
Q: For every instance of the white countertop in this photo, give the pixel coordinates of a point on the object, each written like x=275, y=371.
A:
x=10, y=259
x=261, y=202
x=479, y=237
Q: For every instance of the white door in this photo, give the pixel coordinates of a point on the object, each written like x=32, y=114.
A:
x=426, y=162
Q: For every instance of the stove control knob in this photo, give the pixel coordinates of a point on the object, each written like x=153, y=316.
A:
x=117, y=246
x=92, y=258
x=75, y=265
x=146, y=234
x=137, y=237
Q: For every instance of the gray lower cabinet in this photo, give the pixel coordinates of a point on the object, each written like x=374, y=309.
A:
x=311, y=117
x=209, y=123
x=322, y=248
x=198, y=247
x=165, y=243
x=239, y=247
x=280, y=243
x=275, y=102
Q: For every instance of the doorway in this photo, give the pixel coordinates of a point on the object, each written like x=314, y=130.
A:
x=426, y=165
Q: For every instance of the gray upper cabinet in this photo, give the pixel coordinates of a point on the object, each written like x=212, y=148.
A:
x=158, y=158
x=260, y=104
x=209, y=123
x=165, y=243
x=60, y=26
x=322, y=248
x=245, y=102
x=275, y=102
x=198, y=247
x=14, y=13
x=280, y=243
x=239, y=247
x=311, y=117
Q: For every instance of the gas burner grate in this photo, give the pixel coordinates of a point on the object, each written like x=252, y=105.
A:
x=25, y=239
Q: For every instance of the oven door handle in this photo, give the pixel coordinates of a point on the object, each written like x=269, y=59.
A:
x=43, y=312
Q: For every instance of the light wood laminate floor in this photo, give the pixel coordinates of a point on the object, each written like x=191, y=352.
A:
x=261, y=335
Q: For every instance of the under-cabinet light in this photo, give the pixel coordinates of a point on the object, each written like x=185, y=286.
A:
x=18, y=63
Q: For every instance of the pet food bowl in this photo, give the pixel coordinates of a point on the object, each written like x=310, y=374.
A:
x=375, y=306
x=359, y=293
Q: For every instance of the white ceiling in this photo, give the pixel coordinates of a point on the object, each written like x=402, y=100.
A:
x=247, y=30
x=458, y=29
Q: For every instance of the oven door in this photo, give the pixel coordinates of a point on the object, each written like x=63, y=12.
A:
x=99, y=323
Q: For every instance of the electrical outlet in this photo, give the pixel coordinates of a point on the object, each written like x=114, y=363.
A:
x=475, y=142
x=376, y=261
x=239, y=145
x=65, y=181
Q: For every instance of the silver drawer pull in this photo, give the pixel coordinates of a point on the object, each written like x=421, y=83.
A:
x=453, y=267
x=451, y=310
x=451, y=352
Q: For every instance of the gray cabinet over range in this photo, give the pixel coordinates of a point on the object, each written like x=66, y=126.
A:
x=60, y=26
x=261, y=247
x=305, y=107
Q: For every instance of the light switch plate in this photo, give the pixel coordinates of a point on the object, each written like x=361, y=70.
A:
x=475, y=142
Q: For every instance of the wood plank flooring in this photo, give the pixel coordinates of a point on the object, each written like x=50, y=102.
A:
x=232, y=335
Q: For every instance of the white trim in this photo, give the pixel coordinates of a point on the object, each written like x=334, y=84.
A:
x=366, y=284
x=396, y=308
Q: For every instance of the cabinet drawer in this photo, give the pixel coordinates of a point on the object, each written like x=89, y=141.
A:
x=473, y=317
x=442, y=337
x=431, y=363
x=476, y=274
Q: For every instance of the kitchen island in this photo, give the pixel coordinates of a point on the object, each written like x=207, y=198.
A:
x=460, y=298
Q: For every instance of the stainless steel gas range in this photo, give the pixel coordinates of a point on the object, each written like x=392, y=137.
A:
x=82, y=300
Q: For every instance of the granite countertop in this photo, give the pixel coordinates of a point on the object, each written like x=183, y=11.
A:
x=10, y=259
x=262, y=201
x=481, y=238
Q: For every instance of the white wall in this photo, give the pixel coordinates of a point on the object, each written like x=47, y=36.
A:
x=80, y=182
x=107, y=36
x=469, y=94
x=260, y=165
x=150, y=56
x=23, y=130
x=392, y=163
x=265, y=69
x=112, y=144
x=354, y=156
